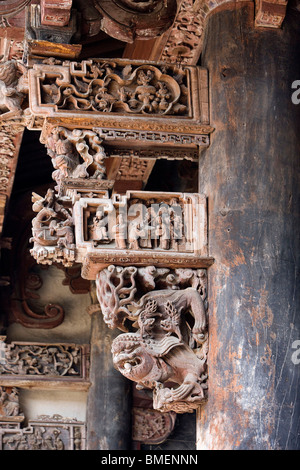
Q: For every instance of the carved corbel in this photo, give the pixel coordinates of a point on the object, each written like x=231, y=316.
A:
x=167, y=350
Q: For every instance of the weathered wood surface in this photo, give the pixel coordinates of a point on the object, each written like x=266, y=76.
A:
x=250, y=174
x=109, y=399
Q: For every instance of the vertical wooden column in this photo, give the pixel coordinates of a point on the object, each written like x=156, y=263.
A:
x=250, y=174
x=109, y=398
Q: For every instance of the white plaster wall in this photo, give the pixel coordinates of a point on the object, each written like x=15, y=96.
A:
x=77, y=323
x=74, y=329
x=69, y=404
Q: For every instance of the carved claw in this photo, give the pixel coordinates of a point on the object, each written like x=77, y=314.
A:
x=199, y=336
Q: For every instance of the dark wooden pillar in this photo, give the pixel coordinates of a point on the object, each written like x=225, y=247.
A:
x=109, y=399
x=250, y=174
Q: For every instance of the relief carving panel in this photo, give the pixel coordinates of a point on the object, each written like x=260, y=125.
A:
x=24, y=363
x=44, y=433
x=103, y=92
x=140, y=228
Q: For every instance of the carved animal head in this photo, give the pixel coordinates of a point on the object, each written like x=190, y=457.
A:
x=130, y=358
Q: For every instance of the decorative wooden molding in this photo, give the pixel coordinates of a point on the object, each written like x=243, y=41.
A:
x=162, y=347
x=43, y=433
x=43, y=365
x=270, y=14
x=151, y=426
x=140, y=228
x=111, y=93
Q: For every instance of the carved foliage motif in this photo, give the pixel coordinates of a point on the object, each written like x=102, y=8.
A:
x=167, y=350
x=112, y=86
x=39, y=359
x=10, y=135
x=184, y=40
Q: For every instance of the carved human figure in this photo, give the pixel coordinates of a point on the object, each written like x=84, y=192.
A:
x=98, y=229
x=9, y=402
x=135, y=232
x=120, y=232
x=11, y=88
x=53, y=224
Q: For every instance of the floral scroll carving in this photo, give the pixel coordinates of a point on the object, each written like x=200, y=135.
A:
x=101, y=93
x=113, y=87
x=167, y=351
x=39, y=359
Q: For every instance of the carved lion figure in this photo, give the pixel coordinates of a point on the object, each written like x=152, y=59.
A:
x=167, y=365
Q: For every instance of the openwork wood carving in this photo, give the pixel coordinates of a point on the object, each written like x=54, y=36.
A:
x=167, y=351
x=43, y=433
x=76, y=154
x=22, y=363
x=140, y=228
x=102, y=93
x=137, y=228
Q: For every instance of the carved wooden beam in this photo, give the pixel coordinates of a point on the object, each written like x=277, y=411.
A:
x=43, y=365
x=121, y=94
x=138, y=228
x=182, y=42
